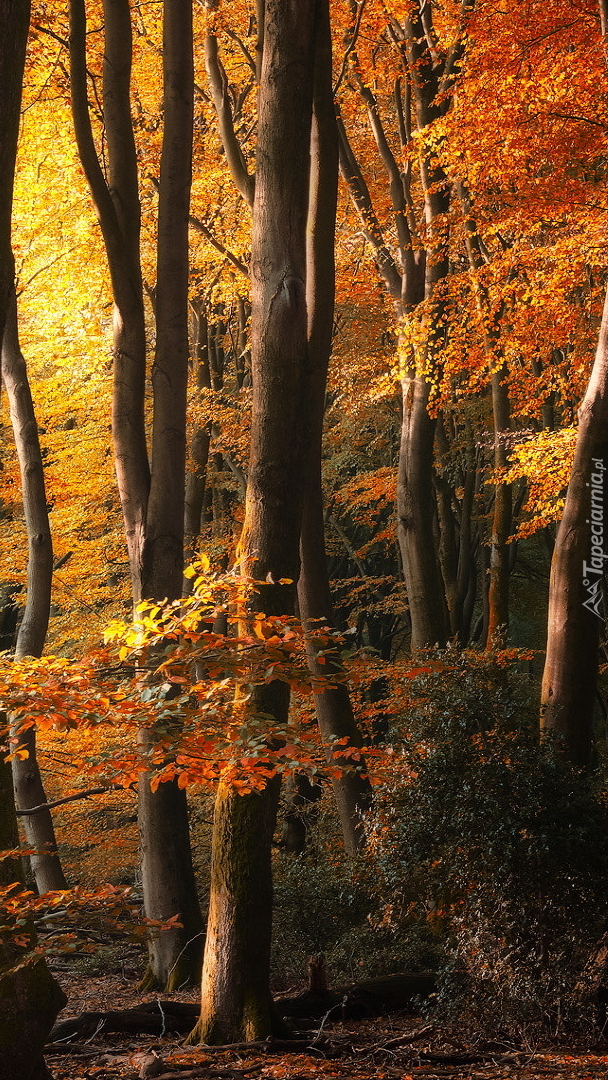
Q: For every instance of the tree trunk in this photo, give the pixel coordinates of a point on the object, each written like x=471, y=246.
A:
x=29, y=998
x=153, y=504
x=169, y=886
x=333, y=706
x=415, y=511
x=236, y=1001
x=498, y=593
x=29, y=789
x=577, y=573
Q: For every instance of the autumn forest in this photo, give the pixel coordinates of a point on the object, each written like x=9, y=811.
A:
x=304, y=415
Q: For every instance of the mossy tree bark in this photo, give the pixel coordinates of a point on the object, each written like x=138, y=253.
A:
x=236, y=1001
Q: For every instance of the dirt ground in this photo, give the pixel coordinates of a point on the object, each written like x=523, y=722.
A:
x=399, y=1046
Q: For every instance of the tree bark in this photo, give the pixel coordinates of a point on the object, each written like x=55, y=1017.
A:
x=333, y=706
x=29, y=788
x=169, y=887
x=498, y=592
x=577, y=573
x=29, y=998
x=152, y=502
x=236, y=1001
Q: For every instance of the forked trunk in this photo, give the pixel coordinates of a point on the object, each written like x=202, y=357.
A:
x=152, y=504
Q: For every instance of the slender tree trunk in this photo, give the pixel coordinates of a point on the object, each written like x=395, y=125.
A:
x=117, y=206
x=29, y=997
x=502, y=517
x=333, y=706
x=196, y=477
x=169, y=886
x=577, y=573
x=29, y=789
x=415, y=510
x=236, y=1001
x=498, y=593
x=153, y=504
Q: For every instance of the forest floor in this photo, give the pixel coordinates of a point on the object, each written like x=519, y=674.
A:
x=399, y=1046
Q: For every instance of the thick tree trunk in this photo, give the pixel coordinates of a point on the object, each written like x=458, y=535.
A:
x=577, y=572
x=29, y=789
x=333, y=706
x=236, y=1000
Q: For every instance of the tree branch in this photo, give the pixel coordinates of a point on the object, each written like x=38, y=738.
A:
x=69, y=798
x=233, y=259
x=245, y=183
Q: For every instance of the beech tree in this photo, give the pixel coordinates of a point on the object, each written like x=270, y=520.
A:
x=577, y=574
x=414, y=282
x=152, y=496
x=31, y=635
x=29, y=995
x=333, y=706
x=236, y=1000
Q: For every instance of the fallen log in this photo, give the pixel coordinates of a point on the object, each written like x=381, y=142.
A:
x=359, y=1001
x=364, y=1000
x=149, y=1018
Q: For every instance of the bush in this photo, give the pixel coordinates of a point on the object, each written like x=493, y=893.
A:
x=325, y=903
x=495, y=842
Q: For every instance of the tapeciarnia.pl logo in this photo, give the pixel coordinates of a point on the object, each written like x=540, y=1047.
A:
x=593, y=571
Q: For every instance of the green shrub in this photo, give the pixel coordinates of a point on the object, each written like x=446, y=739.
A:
x=326, y=903
x=495, y=842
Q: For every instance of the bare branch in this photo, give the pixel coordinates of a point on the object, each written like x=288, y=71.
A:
x=217, y=244
x=218, y=84
x=69, y=798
